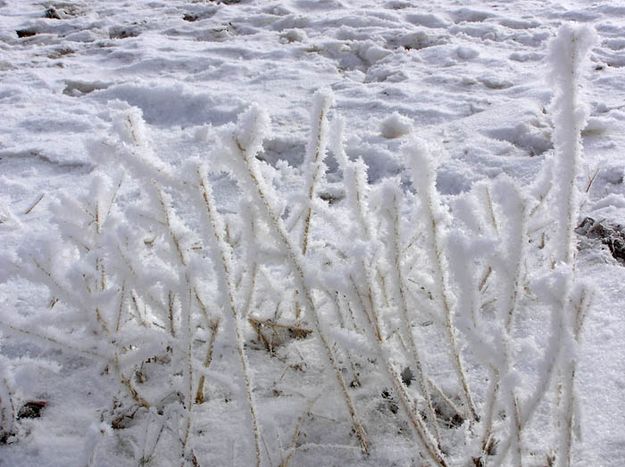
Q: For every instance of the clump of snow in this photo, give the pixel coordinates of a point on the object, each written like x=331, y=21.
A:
x=395, y=126
x=293, y=35
x=467, y=53
x=428, y=20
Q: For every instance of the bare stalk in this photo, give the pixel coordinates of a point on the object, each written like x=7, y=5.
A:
x=34, y=204
x=297, y=430
x=199, y=394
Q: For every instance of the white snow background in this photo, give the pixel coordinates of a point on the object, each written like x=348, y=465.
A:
x=470, y=76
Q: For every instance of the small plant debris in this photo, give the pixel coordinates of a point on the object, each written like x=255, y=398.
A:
x=62, y=10
x=391, y=404
x=52, y=13
x=407, y=376
x=611, y=235
x=200, y=14
x=122, y=415
x=5, y=436
x=273, y=334
x=447, y=412
x=121, y=32
x=31, y=409
x=62, y=52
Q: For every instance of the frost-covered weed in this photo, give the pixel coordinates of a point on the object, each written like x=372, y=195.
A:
x=398, y=313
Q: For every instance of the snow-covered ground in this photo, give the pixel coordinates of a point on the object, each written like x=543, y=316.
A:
x=469, y=75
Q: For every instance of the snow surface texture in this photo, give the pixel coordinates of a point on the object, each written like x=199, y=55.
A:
x=468, y=76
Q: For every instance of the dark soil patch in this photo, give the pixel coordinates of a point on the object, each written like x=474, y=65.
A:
x=31, y=409
x=21, y=33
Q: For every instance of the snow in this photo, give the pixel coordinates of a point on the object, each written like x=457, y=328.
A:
x=395, y=126
x=171, y=84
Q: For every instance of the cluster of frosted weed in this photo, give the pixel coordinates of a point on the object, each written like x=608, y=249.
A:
x=390, y=310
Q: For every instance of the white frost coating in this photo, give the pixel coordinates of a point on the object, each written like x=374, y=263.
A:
x=422, y=167
x=509, y=268
x=323, y=99
x=314, y=167
x=462, y=253
x=130, y=127
x=252, y=128
x=242, y=143
x=356, y=192
x=132, y=148
x=568, y=57
x=336, y=141
x=508, y=265
x=467, y=211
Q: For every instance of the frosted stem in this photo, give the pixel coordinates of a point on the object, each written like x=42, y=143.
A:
x=254, y=183
x=423, y=177
x=223, y=266
x=568, y=57
x=315, y=154
x=399, y=289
